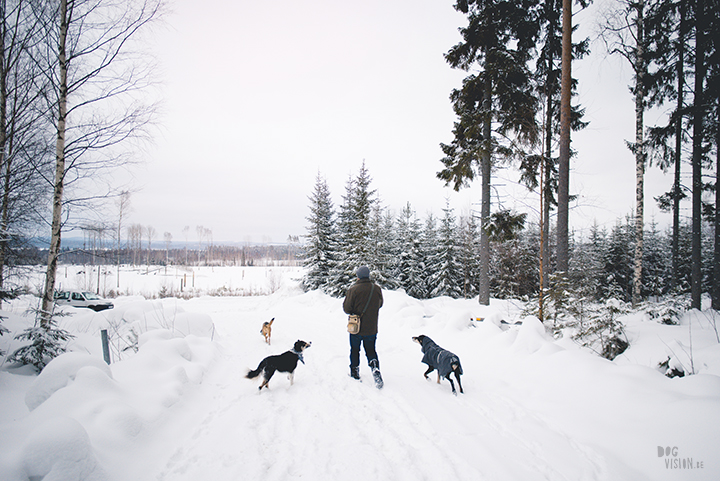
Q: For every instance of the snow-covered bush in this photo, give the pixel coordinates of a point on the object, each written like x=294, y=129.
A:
x=600, y=330
x=668, y=310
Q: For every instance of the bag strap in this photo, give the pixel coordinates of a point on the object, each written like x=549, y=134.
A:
x=372, y=287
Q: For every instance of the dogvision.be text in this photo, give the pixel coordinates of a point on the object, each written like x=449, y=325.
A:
x=672, y=460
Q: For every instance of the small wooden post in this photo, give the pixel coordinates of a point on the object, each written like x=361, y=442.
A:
x=105, y=345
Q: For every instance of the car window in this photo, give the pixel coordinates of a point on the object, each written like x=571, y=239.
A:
x=62, y=295
x=90, y=296
x=76, y=296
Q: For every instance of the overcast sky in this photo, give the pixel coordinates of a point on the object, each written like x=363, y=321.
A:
x=260, y=97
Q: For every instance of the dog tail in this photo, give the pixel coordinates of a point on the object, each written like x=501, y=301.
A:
x=256, y=372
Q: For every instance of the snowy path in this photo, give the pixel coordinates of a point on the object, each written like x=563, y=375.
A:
x=328, y=426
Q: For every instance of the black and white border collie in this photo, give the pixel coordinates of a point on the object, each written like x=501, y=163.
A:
x=285, y=362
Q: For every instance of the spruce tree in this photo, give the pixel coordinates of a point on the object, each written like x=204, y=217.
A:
x=320, y=248
x=469, y=250
x=446, y=280
x=429, y=248
x=383, y=248
x=618, y=262
x=656, y=274
x=405, y=252
x=47, y=341
x=354, y=235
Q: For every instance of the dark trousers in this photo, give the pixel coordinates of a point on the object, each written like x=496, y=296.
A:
x=368, y=343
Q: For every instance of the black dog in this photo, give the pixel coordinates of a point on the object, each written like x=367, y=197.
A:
x=285, y=362
x=441, y=359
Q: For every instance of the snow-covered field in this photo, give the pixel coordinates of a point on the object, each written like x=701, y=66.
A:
x=180, y=408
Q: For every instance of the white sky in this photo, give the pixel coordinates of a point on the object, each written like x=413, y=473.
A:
x=261, y=96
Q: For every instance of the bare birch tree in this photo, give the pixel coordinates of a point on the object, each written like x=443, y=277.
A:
x=123, y=205
x=22, y=147
x=625, y=29
x=95, y=77
x=150, y=233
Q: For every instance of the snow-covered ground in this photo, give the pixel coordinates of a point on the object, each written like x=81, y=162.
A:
x=181, y=409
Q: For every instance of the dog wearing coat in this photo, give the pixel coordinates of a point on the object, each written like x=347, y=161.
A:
x=285, y=362
x=266, y=330
x=441, y=359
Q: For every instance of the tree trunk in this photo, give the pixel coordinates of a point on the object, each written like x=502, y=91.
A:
x=4, y=160
x=564, y=165
x=697, y=187
x=545, y=193
x=546, y=189
x=716, y=252
x=677, y=193
x=639, y=151
x=54, y=251
x=484, y=288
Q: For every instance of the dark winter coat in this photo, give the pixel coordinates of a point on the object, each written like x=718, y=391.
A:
x=355, y=300
x=439, y=358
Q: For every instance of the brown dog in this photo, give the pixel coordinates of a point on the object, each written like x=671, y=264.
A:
x=266, y=330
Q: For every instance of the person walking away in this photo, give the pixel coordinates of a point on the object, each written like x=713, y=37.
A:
x=364, y=298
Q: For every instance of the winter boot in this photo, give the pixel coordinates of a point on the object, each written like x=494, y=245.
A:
x=355, y=373
x=375, y=366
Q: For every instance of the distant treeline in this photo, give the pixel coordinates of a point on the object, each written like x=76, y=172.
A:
x=249, y=255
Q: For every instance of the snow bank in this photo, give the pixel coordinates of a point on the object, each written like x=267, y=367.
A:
x=83, y=412
x=59, y=373
x=534, y=408
x=61, y=450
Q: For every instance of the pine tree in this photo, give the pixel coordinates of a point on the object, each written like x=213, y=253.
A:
x=667, y=34
x=541, y=170
x=713, y=94
x=498, y=41
x=698, y=112
x=320, y=249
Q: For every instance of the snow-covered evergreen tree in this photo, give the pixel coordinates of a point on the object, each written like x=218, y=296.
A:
x=657, y=253
x=320, y=248
x=429, y=251
x=408, y=265
x=469, y=255
x=3, y=330
x=587, y=270
x=342, y=273
x=619, y=262
x=354, y=236
x=447, y=280
x=383, y=248
x=47, y=342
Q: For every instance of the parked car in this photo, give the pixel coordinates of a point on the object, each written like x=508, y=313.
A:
x=82, y=299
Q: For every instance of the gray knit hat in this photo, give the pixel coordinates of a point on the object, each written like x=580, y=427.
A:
x=363, y=272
